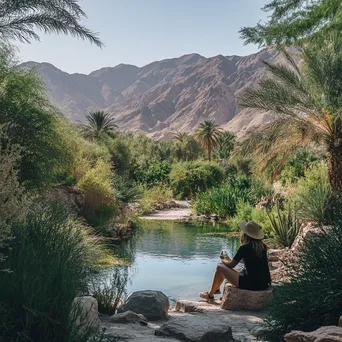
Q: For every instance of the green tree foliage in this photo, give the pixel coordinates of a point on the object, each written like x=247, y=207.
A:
x=293, y=20
x=313, y=297
x=306, y=100
x=50, y=260
x=297, y=165
x=20, y=19
x=33, y=124
x=187, y=147
x=12, y=194
x=99, y=124
x=186, y=179
x=207, y=134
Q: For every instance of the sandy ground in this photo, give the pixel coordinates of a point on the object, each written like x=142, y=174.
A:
x=176, y=214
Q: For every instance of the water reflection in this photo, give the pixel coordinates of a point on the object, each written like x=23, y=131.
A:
x=178, y=259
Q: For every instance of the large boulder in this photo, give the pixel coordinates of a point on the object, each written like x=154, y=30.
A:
x=153, y=305
x=237, y=300
x=323, y=334
x=192, y=329
x=85, y=309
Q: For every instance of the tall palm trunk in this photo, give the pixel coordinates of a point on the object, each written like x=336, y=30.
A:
x=209, y=150
x=335, y=167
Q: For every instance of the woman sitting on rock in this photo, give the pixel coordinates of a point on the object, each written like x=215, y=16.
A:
x=253, y=252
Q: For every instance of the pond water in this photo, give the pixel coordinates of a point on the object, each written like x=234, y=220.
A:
x=176, y=258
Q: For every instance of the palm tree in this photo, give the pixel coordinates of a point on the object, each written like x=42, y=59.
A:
x=225, y=144
x=307, y=102
x=207, y=134
x=99, y=123
x=180, y=136
x=20, y=18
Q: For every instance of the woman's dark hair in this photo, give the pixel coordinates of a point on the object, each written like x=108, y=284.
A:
x=257, y=245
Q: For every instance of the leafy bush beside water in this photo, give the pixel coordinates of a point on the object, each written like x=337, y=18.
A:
x=313, y=297
x=189, y=178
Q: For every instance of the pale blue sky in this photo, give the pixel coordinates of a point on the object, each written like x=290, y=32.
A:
x=141, y=31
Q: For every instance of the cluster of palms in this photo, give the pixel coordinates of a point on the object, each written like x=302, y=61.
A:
x=211, y=138
x=306, y=99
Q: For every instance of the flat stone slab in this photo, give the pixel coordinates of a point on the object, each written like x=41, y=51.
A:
x=192, y=329
x=236, y=299
x=323, y=334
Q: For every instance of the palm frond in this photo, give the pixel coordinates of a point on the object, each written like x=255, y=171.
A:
x=18, y=19
x=98, y=123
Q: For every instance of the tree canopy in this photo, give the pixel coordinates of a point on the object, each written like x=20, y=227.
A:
x=293, y=20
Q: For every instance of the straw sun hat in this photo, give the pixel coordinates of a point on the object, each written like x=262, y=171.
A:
x=252, y=229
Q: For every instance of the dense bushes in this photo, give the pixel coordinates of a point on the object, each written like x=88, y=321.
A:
x=100, y=200
x=33, y=124
x=313, y=297
x=220, y=201
x=12, y=194
x=223, y=200
x=50, y=260
x=189, y=178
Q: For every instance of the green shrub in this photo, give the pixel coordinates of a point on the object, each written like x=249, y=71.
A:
x=259, y=190
x=110, y=292
x=49, y=260
x=285, y=225
x=157, y=172
x=125, y=191
x=313, y=195
x=100, y=201
x=246, y=212
x=189, y=178
x=151, y=197
x=296, y=167
x=219, y=201
x=313, y=297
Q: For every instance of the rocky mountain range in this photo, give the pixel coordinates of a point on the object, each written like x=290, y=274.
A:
x=163, y=97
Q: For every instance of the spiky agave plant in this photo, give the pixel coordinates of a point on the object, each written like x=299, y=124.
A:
x=98, y=123
x=19, y=19
x=207, y=134
x=306, y=101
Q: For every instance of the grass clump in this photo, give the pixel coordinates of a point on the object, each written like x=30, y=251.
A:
x=49, y=262
x=111, y=291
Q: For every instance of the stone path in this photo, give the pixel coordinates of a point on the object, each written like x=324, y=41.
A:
x=243, y=324
x=183, y=212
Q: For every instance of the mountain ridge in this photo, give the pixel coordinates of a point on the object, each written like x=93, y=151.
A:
x=162, y=97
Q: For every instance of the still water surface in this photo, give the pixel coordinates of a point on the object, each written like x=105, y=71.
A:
x=176, y=258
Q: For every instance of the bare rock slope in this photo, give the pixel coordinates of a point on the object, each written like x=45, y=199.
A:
x=165, y=96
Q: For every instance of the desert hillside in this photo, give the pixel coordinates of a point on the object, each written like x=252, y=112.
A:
x=165, y=96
